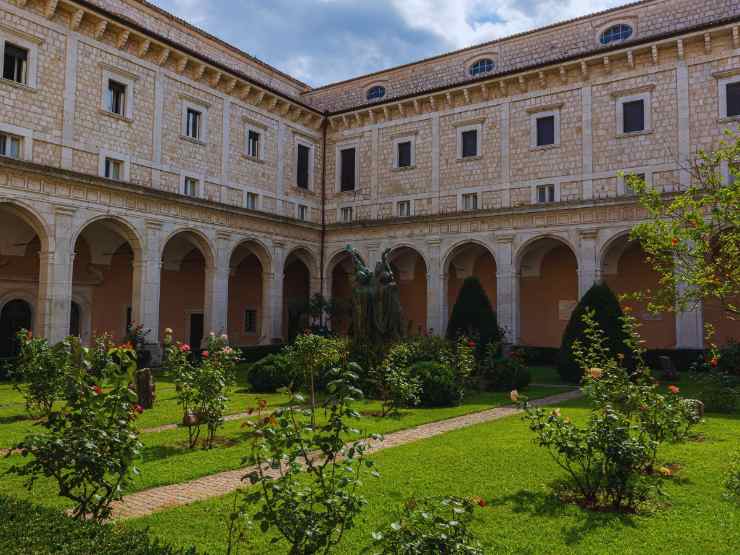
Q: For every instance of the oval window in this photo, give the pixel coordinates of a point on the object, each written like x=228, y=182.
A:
x=482, y=66
x=376, y=92
x=616, y=33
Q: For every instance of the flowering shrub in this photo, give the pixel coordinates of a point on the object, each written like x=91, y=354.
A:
x=719, y=379
x=397, y=387
x=90, y=443
x=201, y=386
x=39, y=371
x=271, y=373
x=306, y=479
x=504, y=373
x=431, y=526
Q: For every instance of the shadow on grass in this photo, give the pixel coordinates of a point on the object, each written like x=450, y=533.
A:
x=550, y=505
x=12, y=419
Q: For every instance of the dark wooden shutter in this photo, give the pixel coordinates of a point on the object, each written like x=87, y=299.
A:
x=546, y=131
x=302, y=178
x=733, y=99
x=469, y=143
x=348, y=169
x=404, y=155
x=633, y=116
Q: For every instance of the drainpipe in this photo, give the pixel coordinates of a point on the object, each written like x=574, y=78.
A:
x=323, y=210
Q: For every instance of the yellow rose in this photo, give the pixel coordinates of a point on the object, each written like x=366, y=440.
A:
x=514, y=395
x=596, y=373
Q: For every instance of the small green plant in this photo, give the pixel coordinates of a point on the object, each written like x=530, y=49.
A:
x=39, y=372
x=473, y=316
x=394, y=381
x=201, y=386
x=271, y=373
x=90, y=442
x=430, y=526
x=306, y=481
x=504, y=373
x=732, y=484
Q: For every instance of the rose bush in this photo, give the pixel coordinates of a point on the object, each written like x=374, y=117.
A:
x=39, y=371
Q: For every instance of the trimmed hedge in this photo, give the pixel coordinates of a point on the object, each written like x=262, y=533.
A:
x=473, y=315
x=253, y=353
x=26, y=529
x=439, y=384
x=270, y=374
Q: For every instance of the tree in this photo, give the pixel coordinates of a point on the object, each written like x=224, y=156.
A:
x=473, y=315
x=692, y=238
x=602, y=301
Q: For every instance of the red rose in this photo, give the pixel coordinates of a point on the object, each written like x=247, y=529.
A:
x=138, y=409
x=97, y=389
x=714, y=362
x=471, y=344
x=185, y=348
x=674, y=241
x=673, y=389
x=205, y=354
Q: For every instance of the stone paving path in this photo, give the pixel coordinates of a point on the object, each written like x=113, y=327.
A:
x=158, y=499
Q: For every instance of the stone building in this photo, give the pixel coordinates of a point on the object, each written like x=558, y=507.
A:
x=152, y=173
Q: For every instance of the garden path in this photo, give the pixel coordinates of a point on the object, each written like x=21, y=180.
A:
x=158, y=499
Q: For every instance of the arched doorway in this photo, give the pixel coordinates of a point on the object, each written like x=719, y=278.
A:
x=246, y=306
x=411, y=275
x=16, y=315
x=625, y=270
x=470, y=259
x=340, y=293
x=102, y=283
x=182, y=287
x=548, y=291
x=296, y=294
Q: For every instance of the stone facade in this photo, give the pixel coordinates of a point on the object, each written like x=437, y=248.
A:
x=246, y=243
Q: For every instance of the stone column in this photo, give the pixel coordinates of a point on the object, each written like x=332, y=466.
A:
x=147, y=282
x=588, y=263
x=507, y=288
x=55, y=279
x=217, y=288
x=274, y=295
x=436, y=289
x=689, y=326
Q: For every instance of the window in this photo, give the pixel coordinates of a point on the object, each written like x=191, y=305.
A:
x=484, y=65
x=346, y=214
x=116, y=98
x=303, y=166
x=348, y=169
x=545, y=130
x=192, y=123
x=404, y=208
x=190, y=187
x=113, y=169
x=404, y=154
x=732, y=99
x=633, y=116
x=627, y=187
x=10, y=145
x=302, y=212
x=376, y=92
x=252, y=201
x=470, y=201
x=15, y=63
x=616, y=33
x=469, y=141
x=545, y=193
x=253, y=144
x=250, y=321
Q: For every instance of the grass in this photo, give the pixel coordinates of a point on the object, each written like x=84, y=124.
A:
x=499, y=462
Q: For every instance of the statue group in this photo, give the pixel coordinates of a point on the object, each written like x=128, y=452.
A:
x=376, y=301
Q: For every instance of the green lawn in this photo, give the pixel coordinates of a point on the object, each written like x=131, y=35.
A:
x=499, y=462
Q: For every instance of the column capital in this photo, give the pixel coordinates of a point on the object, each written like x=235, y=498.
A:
x=504, y=239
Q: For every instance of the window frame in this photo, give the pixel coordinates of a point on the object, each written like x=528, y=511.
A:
x=311, y=155
x=338, y=166
x=478, y=128
x=469, y=195
x=27, y=42
x=397, y=141
x=258, y=155
x=125, y=160
x=480, y=72
x=542, y=114
x=124, y=78
x=301, y=212
x=255, y=321
x=26, y=138
x=253, y=195
x=611, y=25
x=188, y=179
x=202, y=108
x=404, y=203
x=554, y=187
x=646, y=98
x=374, y=87
x=201, y=184
x=623, y=188
x=343, y=211
x=722, y=90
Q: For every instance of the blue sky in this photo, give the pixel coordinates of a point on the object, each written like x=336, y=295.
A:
x=323, y=41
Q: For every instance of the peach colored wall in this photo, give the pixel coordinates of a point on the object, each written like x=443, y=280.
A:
x=724, y=328
x=413, y=293
x=245, y=291
x=634, y=274
x=182, y=292
x=539, y=297
x=485, y=270
x=296, y=287
x=341, y=289
x=112, y=297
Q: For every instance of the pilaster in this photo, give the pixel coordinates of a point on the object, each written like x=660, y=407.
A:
x=507, y=288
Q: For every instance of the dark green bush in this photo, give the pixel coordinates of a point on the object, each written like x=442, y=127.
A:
x=504, y=373
x=271, y=373
x=439, y=384
x=729, y=358
x=473, y=315
x=29, y=529
x=608, y=316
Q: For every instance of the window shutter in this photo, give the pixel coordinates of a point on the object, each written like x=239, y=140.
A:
x=733, y=99
x=633, y=116
x=348, y=169
x=404, y=155
x=302, y=170
x=546, y=131
x=469, y=143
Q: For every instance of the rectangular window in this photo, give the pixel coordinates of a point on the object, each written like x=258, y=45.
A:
x=627, y=187
x=192, y=123
x=10, y=146
x=302, y=166
x=404, y=154
x=633, y=116
x=302, y=212
x=469, y=143
x=190, y=187
x=347, y=214
x=545, y=193
x=347, y=172
x=250, y=321
x=15, y=63
x=404, y=208
x=116, y=101
x=470, y=201
x=113, y=169
x=733, y=99
x=252, y=201
x=253, y=144
x=546, y=131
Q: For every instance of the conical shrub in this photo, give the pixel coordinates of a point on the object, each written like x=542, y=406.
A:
x=473, y=315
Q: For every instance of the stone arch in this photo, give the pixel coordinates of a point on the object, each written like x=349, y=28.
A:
x=469, y=257
x=410, y=267
x=257, y=248
x=117, y=224
x=248, y=306
x=338, y=279
x=307, y=257
x=33, y=219
x=548, y=288
x=298, y=273
x=613, y=247
x=197, y=238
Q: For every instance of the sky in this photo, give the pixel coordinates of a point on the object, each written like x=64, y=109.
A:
x=324, y=41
